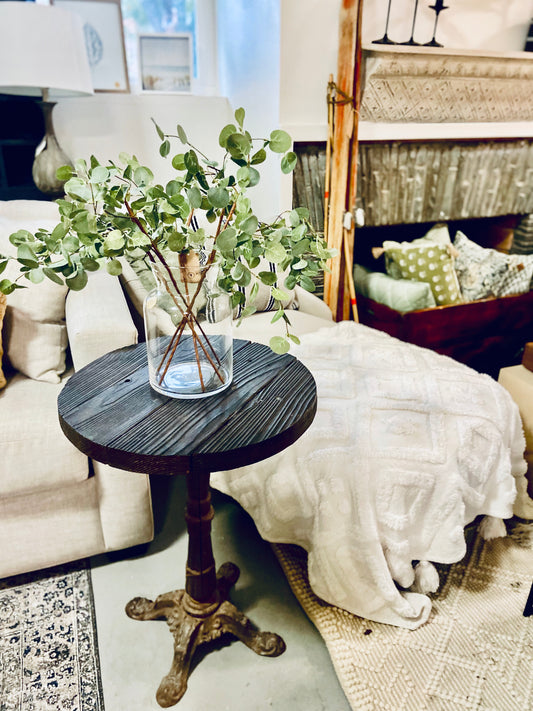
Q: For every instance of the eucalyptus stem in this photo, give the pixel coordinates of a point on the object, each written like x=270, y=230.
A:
x=188, y=316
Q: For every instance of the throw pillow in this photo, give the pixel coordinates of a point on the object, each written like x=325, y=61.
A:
x=484, y=272
x=35, y=335
x=399, y=294
x=2, y=312
x=426, y=261
x=263, y=300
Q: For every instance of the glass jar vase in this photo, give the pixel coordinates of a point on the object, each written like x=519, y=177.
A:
x=188, y=326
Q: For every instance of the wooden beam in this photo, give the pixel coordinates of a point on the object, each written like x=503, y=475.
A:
x=338, y=283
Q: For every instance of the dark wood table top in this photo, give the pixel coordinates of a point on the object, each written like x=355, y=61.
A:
x=109, y=411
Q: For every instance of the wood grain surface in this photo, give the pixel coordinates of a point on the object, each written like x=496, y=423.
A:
x=109, y=411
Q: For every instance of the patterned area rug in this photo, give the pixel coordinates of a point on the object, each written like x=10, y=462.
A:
x=475, y=651
x=48, y=644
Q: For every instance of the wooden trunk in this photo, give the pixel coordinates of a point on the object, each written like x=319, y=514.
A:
x=485, y=334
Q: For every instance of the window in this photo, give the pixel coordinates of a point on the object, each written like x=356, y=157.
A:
x=173, y=16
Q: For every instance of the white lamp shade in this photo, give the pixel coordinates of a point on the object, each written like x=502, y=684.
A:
x=42, y=47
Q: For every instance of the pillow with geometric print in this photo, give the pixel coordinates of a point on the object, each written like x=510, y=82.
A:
x=484, y=272
x=426, y=261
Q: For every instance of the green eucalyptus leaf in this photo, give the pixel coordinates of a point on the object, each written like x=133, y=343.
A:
x=7, y=287
x=226, y=132
x=303, y=212
x=176, y=241
x=114, y=241
x=70, y=244
x=143, y=176
x=279, y=294
x=27, y=257
x=91, y=265
x=99, y=174
x=243, y=176
x=218, y=197
x=159, y=130
x=52, y=275
x=227, y=240
x=280, y=141
x=78, y=281
x=300, y=264
x=114, y=267
x=290, y=282
x=294, y=338
x=268, y=278
x=173, y=187
x=64, y=173
x=275, y=252
x=249, y=224
x=307, y=283
x=238, y=145
x=237, y=298
x=194, y=196
x=191, y=161
x=59, y=232
x=3, y=265
x=294, y=218
x=279, y=344
x=259, y=157
x=248, y=311
x=239, y=116
x=288, y=162
x=277, y=316
x=36, y=276
x=164, y=148
x=181, y=134
x=78, y=189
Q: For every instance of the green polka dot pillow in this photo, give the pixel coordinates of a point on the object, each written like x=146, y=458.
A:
x=426, y=261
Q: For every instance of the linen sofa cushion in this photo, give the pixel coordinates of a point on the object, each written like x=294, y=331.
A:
x=485, y=272
x=399, y=294
x=425, y=260
x=35, y=332
x=2, y=312
x=35, y=454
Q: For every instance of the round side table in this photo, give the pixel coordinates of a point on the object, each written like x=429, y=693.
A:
x=109, y=411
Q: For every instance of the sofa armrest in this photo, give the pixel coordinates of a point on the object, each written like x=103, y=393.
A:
x=98, y=319
x=311, y=304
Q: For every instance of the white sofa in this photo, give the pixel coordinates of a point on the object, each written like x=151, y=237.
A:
x=55, y=505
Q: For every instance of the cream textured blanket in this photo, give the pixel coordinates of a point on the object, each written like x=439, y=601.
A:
x=407, y=448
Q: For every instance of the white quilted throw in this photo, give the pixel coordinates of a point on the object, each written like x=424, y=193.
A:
x=407, y=447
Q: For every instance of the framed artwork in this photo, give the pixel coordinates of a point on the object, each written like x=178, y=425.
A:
x=166, y=62
x=104, y=39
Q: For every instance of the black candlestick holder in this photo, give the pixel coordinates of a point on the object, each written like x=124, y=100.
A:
x=385, y=39
x=438, y=7
x=411, y=41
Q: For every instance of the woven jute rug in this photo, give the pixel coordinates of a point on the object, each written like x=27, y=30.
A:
x=475, y=651
x=48, y=644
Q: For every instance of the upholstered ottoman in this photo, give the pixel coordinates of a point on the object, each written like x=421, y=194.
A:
x=518, y=381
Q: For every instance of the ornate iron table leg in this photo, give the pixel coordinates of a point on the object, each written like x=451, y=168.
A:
x=202, y=612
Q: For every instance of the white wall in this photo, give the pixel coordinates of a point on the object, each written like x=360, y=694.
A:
x=107, y=124
x=248, y=35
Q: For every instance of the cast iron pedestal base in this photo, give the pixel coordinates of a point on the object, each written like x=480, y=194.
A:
x=193, y=623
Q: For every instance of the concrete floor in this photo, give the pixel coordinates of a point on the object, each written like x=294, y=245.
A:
x=135, y=655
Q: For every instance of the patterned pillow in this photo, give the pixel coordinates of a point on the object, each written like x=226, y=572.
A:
x=484, y=272
x=263, y=300
x=2, y=312
x=426, y=261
